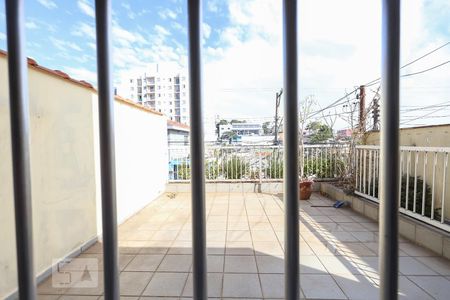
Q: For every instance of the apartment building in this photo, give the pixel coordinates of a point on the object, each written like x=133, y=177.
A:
x=163, y=88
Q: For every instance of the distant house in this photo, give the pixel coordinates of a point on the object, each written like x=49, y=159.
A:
x=344, y=133
x=177, y=133
x=241, y=128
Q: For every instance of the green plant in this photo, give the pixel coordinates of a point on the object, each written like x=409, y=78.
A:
x=212, y=169
x=324, y=168
x=183, y=172
x=419, y=196
x=235, y=167
x=275, y=166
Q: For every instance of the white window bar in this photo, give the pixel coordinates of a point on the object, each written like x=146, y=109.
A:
x=416, y=162
x=432, y=185
x=444, y=184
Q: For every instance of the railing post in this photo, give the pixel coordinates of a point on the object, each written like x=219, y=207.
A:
x=107, y=152
x=291, y=237
x=200, y=290
x=20, y=147
x=389, y=157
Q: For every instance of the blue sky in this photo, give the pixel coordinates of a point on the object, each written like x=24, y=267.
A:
x=340, y=47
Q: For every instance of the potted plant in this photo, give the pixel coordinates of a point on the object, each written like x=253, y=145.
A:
x=305, y=187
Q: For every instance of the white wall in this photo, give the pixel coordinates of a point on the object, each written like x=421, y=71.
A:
x=141, y=158
x=65, y=167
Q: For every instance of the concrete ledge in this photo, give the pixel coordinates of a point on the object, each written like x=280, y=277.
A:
x=418, y=232
x=271, y=187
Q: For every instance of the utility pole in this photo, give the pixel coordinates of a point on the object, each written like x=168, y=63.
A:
x=277, y=105
x=362, y=108
x=376, y=113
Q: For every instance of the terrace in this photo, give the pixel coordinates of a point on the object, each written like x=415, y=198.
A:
x=338, y=253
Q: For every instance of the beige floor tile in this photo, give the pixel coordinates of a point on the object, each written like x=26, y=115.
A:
x=414, y=250
x=75, y=297
x=166, y=284
x=357, y=286
x=240, y=264
x=238, y=236
x=214, y=285
x=241, y=286
x=272, y=285
x=436, y=286
x=145, y=262
x=438, y=264
x=264, y=236
x=133, y=283
x=270, y=264
x=316, y=286
x=311, y=265
x=339, y=265
x=239, y=248
x=411, y=266
x=410, y=291
x=268, y=248
x=175, y=263
x=165, y=235
x=215, y=263
x=155, y=247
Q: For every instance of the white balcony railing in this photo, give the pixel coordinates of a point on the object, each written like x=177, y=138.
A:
x=424, y=177
x=259, y=163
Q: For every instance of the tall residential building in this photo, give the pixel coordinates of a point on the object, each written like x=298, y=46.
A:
x=164, y=88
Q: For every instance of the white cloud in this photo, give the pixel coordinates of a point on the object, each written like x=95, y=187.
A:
x=179, y=27
x=84, y=29
x=48, y=4
x=338, y=50
x=206, y=30
x=167, y=14
x=161, y=31
x=86, y=7
x=130, y=12
x=31, y=25
x=213, y=5
x=81, y=74
x=2, y=36
x=64, y=45
x=125, y=37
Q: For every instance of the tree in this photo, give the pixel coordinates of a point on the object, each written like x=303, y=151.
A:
x=319, y=132
x=267, y=128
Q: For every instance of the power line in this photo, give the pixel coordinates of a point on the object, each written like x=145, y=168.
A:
x=426, y=70
x=415, y=60
x=420, y=117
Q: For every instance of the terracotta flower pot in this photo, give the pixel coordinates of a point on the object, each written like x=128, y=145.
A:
x=305, y=189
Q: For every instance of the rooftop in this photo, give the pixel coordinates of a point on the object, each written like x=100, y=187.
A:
x=338, y=253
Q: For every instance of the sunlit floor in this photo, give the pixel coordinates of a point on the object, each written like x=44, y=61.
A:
x=338, y=254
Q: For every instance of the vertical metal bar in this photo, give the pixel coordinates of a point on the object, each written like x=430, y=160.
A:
x=364, y=170
x=432, y=185
x=107, y=153
x=357, y=169
x=416, y=162
x=360, y=168
x=291, y=237
x=200, y=289
x=375, y=166
x=400, y=180
x=408, y=167
x=369, y=180
x=424, y=186
x=20, y=147
x=444, y=179
x=390, y=107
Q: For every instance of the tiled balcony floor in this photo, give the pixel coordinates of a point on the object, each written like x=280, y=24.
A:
x=338, y=253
